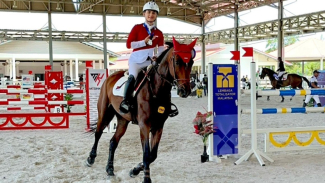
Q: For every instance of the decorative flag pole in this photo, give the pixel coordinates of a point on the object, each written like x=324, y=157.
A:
x=254, y=150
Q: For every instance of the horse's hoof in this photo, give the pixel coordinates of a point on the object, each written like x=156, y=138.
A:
x=89, y=163
x=111, y=177
x=146, y=180
x=110, y=173
x=133, y=173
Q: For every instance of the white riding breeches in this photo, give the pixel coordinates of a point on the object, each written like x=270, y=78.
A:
x=134, y=68
x=281, y=73
x=315, y=97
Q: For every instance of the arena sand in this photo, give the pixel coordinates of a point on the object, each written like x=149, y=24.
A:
x=59, y=155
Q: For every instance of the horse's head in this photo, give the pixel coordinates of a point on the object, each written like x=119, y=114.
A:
x=177, y=66
x=263, y=73
x=182, y=63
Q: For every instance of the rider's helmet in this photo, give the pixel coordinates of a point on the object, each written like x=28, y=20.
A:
x=151, y=6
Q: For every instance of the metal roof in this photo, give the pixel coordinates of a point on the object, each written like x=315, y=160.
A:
x=297, y=25
x=190, y=11
x=311, y=49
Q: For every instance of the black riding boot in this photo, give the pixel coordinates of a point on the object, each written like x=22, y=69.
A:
x=173, y=112
x=128, y=91
x=319, y=105
x=280, y=81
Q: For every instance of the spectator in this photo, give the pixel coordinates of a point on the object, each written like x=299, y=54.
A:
x=205, y=84
x=243, y=81
x=313, y=84
x=81, y=81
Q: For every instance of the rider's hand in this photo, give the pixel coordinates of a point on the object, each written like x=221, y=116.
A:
x=148, y=38
x=154, y=58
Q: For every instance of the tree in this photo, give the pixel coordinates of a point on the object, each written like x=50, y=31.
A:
x=272, y=44
x=310, y=67
x=294, y=68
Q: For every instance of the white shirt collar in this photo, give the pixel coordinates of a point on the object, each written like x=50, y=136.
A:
x=150, y=26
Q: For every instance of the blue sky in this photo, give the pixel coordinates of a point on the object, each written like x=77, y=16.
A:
x=81, y=22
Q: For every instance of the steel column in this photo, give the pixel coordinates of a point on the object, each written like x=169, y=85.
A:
x=236, y=25
x=280, y=29
x=104, y=41
x=203, y=48
x=50, y=39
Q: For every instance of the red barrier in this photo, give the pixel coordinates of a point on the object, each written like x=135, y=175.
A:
x=28, y=123
x=53, y=91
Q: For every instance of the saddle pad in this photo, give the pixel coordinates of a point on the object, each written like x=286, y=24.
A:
x=118, y=90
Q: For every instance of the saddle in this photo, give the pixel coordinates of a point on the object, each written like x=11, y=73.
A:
x=285, y=76
x=118, y=90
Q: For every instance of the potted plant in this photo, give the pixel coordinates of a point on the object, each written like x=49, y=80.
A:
x=68, y=97
x=204, y=128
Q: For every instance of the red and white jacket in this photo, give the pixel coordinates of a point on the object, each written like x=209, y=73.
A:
x=141, y=50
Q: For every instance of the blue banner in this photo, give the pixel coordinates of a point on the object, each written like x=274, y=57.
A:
x=225, y=109
x=321, y=84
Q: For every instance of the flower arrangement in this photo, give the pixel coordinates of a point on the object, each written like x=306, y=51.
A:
x=202, y=126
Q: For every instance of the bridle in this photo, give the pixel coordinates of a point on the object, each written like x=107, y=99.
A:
x=174, y=81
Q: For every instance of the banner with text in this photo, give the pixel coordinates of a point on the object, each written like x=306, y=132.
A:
x=225, y=109
x=94, y=81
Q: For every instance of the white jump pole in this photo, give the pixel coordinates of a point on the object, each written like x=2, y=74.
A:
x=254, y=149
x=210, y=108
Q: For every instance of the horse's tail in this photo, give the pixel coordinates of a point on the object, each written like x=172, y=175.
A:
x=305, y=79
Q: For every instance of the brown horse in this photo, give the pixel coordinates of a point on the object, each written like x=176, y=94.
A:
x=152, y=105
x=293, y=80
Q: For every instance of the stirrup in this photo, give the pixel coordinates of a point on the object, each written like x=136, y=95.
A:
x=173, y=112
x=124, y=107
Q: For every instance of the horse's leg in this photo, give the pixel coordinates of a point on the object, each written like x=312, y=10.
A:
x=122, y=125
x=144, y=133
x=155, y=139
x=105, y=115
x=282, y=98
x=268, y=98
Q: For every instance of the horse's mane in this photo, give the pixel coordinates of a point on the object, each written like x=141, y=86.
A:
x=163, y=54
x=269, y=73
x=270, y=70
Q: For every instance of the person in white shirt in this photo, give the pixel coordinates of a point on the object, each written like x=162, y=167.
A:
x=313, y=84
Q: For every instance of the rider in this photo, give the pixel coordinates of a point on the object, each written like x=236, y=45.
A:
x=143, y=39
x=313, y=84
x=281, y=70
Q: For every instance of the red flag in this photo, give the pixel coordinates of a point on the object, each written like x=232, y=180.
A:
x=30, y=72
x=249, y=52
x=48, y=67
x=236, y=55
x=89, y=64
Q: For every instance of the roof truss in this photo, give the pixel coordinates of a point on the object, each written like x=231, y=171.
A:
x=302, y=24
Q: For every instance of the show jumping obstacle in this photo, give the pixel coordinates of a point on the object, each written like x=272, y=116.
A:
x=288, y=92
x=270, y=142
x=53, y=97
